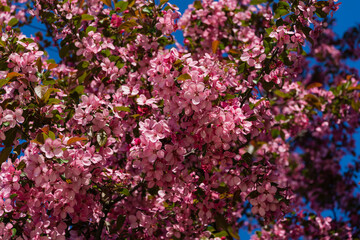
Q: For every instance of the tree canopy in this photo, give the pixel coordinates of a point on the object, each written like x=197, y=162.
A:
x=132, y=135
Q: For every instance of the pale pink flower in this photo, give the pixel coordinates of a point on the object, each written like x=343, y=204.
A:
x=52, y=148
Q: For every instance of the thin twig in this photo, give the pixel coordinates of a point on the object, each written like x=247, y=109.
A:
x=249, y=90
x=107, y=209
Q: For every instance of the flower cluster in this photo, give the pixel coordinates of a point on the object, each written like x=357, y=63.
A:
x=128, y=138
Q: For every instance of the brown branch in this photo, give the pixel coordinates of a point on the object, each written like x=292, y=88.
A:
x=107, y=209
x=249, y=90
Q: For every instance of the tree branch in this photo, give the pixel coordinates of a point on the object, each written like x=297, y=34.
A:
x=108, y=207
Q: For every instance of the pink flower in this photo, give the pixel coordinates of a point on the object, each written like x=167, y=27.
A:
x=52, y=148
x=12, y=117
x=35, y=166
x=83, y=116
x=166, y=23
x=195, y=93
x=116, y=21
x=153, y=130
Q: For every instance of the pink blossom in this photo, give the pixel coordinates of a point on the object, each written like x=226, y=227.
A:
x=52, y=148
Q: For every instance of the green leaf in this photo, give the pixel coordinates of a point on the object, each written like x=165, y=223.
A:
x=50, y=61
x=64, y=161
x=52, y=135
x=281, y=9
x=355, y=105
x=4, y=82
x=275, y=133
x=79, y=89
x=85, y=64
x=321, y=4
x=197, y=5
x=135, y=115
x=121, y=6
x=233, y=233
x=210, y=228
x=87, y=17
x=90, y=28
x=54, y=101
x=81, y=78
x=146, y=10
x=242, y=67
x=251, y=119
x=48, y=92
x=2, y=43
x=280, y=117
x=13, y=22
x=162, y=2
x=221, y=234
x=229, y=96
x=255, y=2
x=184, y=77
x=125, y=192
x=267, y=45
x=21, y=165
x=281, y=94
x=13, y=232
x=131, y=3
x=283, y=4
x=281, y=12
x=120, y=65
x=282, y=135
x=269, y=30
x=123, y=109
x=13, y=196
x=6, y=8
x=320, y=13
x=106, y=52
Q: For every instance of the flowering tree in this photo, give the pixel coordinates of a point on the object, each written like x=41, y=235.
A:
x=127, y=138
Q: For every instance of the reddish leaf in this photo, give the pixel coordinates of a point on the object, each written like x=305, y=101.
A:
x=314, y=85
x=107, y=2
x=76, y=139
x=52, y=66
x=14, y=74
x=215, y=45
